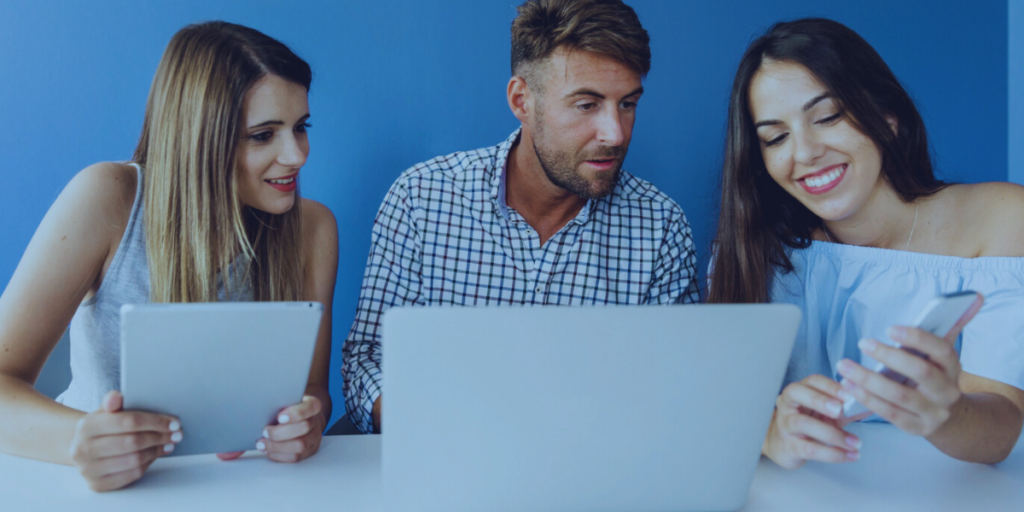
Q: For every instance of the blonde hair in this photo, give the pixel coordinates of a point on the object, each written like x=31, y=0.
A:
x=196, y=227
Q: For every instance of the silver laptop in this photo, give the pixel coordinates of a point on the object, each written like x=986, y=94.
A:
x=224, y=369
x=617, y=408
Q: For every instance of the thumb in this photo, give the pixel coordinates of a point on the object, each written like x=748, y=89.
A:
x=112, y=401
x=954, y=333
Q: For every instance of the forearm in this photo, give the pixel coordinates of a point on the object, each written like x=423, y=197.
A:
x=982, y=427
x=34, y=426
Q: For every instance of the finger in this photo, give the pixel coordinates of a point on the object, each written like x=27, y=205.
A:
x=801, y=394
x=287, y=431
x=229, y=455
x=120, y=463
x=805, y=426
x=117, y=480
x=95, y=425
x=309, y=406
x=934, y=382
x=112, y=401
x=291, y=446
x=810, y=450
x=894, y=393
x=928, y=345
x=122, y=444
x=898, y=416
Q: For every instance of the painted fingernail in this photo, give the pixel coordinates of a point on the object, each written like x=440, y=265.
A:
x=283, y=418
x=169, y=447
x=834, y=408
x=852, y=455
x=853, y=442
x=176, y=437
x=898, y=333
x=844, y=366
x=867, y=345
x=174, y=426
x=261, y=446
x=266, y=434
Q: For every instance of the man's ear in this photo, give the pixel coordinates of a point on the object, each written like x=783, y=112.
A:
x=519, y=98
x=893, y=123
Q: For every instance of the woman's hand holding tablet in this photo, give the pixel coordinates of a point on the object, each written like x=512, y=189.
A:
x=296, y=435
x=113, y=448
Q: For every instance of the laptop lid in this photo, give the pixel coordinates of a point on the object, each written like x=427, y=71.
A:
x=224, y=369
x=579, y=408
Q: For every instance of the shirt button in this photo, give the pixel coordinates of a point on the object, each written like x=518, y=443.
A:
x=539, y=289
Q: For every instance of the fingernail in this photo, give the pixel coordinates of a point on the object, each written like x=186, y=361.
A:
x=169, y=447
x=852, y=455
x=282, y=418
x=176, y=437
x=174, y=426
x=845, y=395
x=844, y=366
x=306, y=398
x=834, y=408
x=853, y=442
x=266, y=434
x=898, y=333
x=867, y=345
x=848, y=384
x=261, y=446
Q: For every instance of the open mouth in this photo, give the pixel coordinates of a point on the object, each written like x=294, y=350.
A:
x=284, y=184
x=824, y=180
x=602, y=163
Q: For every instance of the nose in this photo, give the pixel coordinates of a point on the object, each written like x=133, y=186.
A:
x=807, y=147
x=293, y=152
x=610, y=129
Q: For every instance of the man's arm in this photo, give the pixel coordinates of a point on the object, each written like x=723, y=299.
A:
x=674, y=279
x=392, y=278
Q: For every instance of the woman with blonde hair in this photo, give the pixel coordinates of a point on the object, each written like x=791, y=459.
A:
x=208, y=210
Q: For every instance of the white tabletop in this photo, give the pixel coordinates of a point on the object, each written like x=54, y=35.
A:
x=896, y=472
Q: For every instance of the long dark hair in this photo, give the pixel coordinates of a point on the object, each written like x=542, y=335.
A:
x=759, y=220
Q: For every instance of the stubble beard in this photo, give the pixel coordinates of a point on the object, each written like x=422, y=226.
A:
x=562, y=169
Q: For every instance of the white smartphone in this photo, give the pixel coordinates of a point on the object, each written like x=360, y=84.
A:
x=938, y=318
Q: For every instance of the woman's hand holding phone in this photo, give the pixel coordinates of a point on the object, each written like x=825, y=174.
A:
x=920, y=410
x=808, y=425
x=113, y=448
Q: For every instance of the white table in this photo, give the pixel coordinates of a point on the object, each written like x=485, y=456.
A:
x=896, y=472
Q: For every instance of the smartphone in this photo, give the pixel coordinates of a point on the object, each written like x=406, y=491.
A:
x=938, y=318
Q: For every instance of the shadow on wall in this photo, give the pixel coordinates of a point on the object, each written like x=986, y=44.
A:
x=56, y=373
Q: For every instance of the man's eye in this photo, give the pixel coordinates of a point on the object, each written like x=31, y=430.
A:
x=586, y=106
x=628, y=105
x=262, y=136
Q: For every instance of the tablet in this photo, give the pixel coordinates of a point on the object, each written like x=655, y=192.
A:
x=223, y=369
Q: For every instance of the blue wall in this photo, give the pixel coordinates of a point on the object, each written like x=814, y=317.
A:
x=398, y=82
x=1015, y=66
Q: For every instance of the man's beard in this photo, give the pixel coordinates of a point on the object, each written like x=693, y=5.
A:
x=563, y=170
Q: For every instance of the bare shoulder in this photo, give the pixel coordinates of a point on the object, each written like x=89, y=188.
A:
x=995, y=212
x=320, y=230
x=104, y=189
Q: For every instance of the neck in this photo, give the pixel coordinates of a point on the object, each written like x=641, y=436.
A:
x=883, y=221
x=545, y=206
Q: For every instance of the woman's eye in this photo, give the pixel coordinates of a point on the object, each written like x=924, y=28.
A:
x=262, y=136
x=776, y=141
x=303, y=127
x=831, y=119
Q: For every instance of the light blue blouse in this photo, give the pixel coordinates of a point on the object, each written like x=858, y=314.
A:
x=849, y=292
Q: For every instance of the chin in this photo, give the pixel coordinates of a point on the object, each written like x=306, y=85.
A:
x=277, y=207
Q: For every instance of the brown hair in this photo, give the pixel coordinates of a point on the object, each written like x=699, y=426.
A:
x=759, y=221
x=195, y=223
x=606, y=27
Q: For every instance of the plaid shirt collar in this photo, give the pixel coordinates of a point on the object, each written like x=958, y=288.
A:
x=499, y=180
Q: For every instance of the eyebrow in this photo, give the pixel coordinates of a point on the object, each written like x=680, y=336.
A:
x=807, y=106
x=276, y=122
x=584, y=91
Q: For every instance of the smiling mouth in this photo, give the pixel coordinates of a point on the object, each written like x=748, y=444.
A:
x=282, y=181
x=823, y=182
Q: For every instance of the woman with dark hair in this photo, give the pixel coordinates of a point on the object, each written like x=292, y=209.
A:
x=208, y=209
x=829, y=202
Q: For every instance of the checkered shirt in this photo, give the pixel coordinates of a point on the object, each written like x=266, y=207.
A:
x=444, y=236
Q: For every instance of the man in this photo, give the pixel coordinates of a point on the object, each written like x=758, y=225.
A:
x=546, y=217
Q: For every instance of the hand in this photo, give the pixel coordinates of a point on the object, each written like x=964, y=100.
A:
x=921, y=410
x=297, y=434
x=808, y=425
x=113, y=448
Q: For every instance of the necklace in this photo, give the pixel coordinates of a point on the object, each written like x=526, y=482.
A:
x=909, y=238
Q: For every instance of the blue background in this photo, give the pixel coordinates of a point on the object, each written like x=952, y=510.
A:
x=398, y=82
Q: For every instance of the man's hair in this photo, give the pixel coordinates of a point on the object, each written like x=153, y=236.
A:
x=606, y=27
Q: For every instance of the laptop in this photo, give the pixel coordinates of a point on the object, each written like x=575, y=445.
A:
x=224, y=369
x=607, y=408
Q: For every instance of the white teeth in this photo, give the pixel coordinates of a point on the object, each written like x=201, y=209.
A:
x=283, y=181
x=820, y=181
